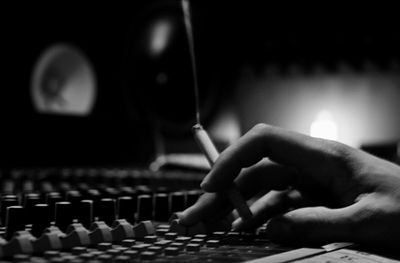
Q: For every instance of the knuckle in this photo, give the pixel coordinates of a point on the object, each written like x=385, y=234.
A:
x=331, y=152
x=336, y=149
x=260, y=128
x=259, y=131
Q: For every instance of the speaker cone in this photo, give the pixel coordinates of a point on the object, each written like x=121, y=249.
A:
x=63, y=82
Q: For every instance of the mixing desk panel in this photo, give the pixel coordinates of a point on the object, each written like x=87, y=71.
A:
x=113, y=215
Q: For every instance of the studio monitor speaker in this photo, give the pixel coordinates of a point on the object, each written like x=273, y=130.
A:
x=63, y=81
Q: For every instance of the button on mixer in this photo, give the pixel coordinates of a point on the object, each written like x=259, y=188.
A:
x=140, y=247
x=191, y=247
x=171, y=236
x=148, y=255
x=150, y=239
x=122, y=259
x=105, y=258
x=132, y=254
x=128, y=242
x=104, y=246
x=171, y=251
x=155, y=249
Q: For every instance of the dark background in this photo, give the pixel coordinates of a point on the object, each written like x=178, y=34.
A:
x=228, y=35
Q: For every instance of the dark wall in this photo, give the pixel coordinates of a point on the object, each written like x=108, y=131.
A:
x=110, y=134
x=228, y=34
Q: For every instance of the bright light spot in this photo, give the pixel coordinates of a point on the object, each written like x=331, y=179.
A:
x=226, y=127
x=159, y=36
x=324, y=126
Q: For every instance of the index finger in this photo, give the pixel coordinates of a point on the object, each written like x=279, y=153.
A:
x=280, y=145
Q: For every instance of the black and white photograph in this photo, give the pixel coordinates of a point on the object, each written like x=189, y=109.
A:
x=199, y=131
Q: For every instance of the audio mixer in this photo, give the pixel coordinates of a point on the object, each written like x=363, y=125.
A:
x=113, y=215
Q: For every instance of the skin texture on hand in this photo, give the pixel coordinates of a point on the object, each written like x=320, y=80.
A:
x=313, y=190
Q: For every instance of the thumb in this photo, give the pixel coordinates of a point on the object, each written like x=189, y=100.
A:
x=312, y=225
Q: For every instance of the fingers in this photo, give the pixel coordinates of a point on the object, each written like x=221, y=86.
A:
x=263, y=177
x=273, y=203
x=250, y=182
x=210, y=206
x=286, y=147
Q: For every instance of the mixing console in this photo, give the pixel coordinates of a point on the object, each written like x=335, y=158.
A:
x=112, y=215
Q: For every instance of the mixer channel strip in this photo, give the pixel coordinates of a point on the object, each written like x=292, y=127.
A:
x=111, y=217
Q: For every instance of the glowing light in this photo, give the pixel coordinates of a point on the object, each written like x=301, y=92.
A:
x=324, y=126
x=160, y=36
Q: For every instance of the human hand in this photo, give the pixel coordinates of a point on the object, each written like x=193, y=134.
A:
x=314, y=190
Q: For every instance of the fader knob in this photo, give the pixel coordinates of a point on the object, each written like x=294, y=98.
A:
x=4, y=204
x=161, y=209
x=29, y=203
x=143, y=190
x=144, y=207
x=64, y=216
x=51, y=199
x=40, y=219
x=111, y=192
x=74, y=197
x=6, y=196
x=106, y=211
x=85, y=213
x=126, y=209
x=31, y=196
x=177, y=202
x=129, y=191
x=95, y=195
x=15, y=220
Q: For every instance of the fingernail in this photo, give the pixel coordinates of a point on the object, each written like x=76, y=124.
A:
x=205, y=186
x=182, y=219
x=176, y=215
x=237, y=224
x=211, y=188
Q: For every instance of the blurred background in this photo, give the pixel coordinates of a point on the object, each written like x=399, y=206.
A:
x=110, y=84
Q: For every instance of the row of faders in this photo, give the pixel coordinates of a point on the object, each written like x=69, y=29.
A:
x=66, y=217
x=142, y=242
x=42, y=210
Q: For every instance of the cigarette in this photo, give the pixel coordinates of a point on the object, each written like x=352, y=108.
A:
x=211, y=153
x=205, y=144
